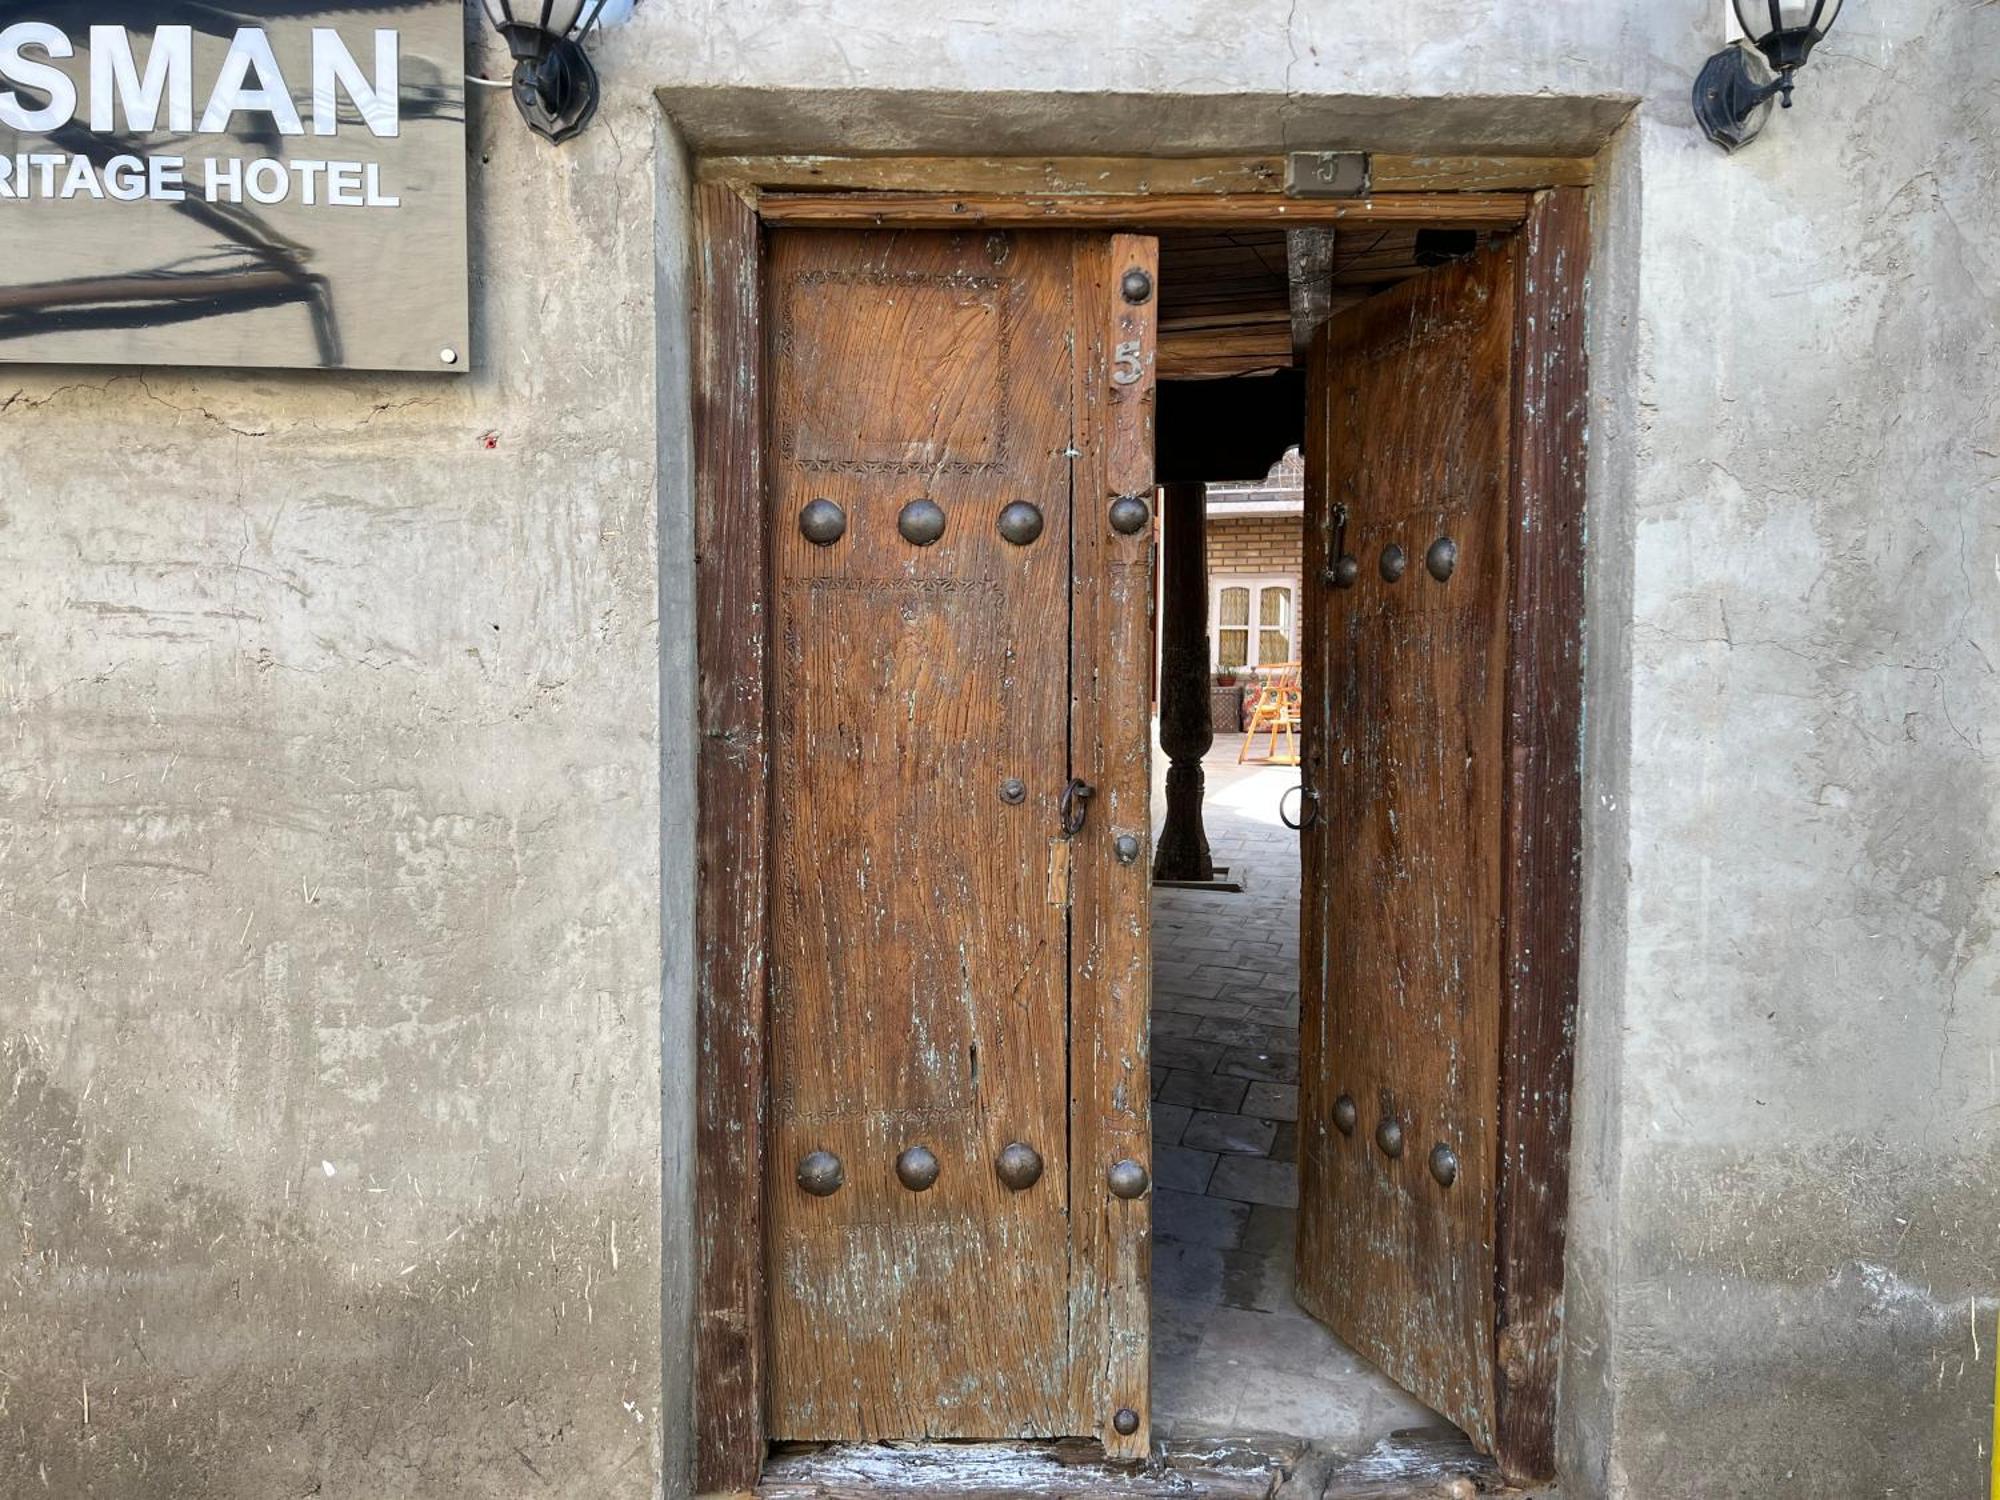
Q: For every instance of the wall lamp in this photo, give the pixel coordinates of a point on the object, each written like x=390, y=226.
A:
x=1730, y=104
x=555, y=87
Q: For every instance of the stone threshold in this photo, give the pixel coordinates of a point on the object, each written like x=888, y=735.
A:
x=1422, y=1464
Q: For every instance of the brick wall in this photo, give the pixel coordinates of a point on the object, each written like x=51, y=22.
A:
x=1265, y=545
x=1252, y=547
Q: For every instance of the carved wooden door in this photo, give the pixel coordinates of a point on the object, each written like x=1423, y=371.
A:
x=958, y=970
x=1444, y=430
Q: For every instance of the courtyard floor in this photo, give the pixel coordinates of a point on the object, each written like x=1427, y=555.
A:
x=1232, y=1351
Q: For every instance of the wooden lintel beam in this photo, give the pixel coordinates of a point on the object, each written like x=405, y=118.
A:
x=1160, y=211
x=1001, y=174
x=1127, y=175
x=1460, y=174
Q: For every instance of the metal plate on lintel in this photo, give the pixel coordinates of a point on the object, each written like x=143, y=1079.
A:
x=1326, y=174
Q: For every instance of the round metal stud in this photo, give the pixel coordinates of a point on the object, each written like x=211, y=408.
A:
x=1345, y=1114
x=917, y=1168
x=822, y=522
x=1394, y=560
x=1128, y=1179
x=1012, y=792
x=1020, y=523
x=1125, y=1421
x=1389, y=1136
x=1136, y=286
x=921, y=521
x=1444, y=1164
x=1019, y=1166
x=1345, y=572
x=1129, y=514
x=1126, y=847
x=1442, y=558
x=820, y=1174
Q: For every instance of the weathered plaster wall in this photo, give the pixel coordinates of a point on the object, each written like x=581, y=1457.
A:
x=331, y=898
x=1807, y=1243
x=302, y=860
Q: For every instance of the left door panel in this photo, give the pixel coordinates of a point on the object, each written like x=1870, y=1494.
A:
x=920, y=384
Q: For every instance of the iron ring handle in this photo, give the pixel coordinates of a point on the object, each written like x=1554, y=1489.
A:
x=1075, y=806
x=1308, y=807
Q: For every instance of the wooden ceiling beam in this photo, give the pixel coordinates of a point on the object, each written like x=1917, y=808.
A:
x=1194, y=322
x=1194, y=353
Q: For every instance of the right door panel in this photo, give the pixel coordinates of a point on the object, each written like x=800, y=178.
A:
x=1408, y=473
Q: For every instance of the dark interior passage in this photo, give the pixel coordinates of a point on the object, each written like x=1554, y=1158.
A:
x=1233, y=1351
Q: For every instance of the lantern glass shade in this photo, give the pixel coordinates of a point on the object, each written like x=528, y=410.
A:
x=1785, y=31
x=553, y=18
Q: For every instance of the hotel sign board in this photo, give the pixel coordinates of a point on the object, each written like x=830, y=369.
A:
x=276, y=183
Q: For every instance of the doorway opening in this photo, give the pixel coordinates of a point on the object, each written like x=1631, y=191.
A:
x=1235, y=1353
x=924, y=425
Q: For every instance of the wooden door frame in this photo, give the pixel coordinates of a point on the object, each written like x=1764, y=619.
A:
x=734, y=200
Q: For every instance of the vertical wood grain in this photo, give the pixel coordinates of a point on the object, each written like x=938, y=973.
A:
x=732, y=789
x=1324, y=539
x=1111, y=959
x=920, y=947
x=1309, y=258
x=1542, y=854
x=1401, y=1011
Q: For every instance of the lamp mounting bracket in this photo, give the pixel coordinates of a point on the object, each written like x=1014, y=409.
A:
x=556, y=92
x=1730, y=103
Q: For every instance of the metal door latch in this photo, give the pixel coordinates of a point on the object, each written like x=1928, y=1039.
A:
x=1075, y=806
x=1345, y=569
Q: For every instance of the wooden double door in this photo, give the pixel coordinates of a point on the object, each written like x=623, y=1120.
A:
x=957, y=1161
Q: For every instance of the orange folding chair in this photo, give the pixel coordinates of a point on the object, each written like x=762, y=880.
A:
x=1278, y=709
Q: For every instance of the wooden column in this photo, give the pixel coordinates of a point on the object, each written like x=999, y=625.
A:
x=1185, y=731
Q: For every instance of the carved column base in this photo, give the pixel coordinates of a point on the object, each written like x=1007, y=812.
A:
x=1182, y=850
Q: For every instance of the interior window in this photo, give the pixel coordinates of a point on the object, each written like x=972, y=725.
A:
x=1251, y=622
x=1232, y=634
x=1274, y=620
